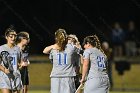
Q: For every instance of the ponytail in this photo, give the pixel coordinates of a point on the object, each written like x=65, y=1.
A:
x=98, y=44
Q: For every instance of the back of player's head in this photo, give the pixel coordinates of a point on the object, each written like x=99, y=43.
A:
x=61, y=38
x=22, y=35
x=94, y=41
x=10, y=30
x=91, y=40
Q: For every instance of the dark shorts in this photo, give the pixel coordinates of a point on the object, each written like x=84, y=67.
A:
x=24, y=75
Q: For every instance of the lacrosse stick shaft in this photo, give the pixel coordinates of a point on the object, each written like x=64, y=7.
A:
x=79, y=88
x=11, y=85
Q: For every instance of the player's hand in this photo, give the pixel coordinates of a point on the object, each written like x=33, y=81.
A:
x=6, y=71
x=24, y=64
x=82, y=81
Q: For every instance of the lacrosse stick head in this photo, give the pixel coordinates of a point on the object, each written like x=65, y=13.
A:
x=4, y=53
x=7, y=60
x=4, y=58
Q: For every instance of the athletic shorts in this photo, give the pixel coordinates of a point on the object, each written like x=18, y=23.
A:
x=63, y=85
x=97, y=85
x=12, y=84
x=24, y=75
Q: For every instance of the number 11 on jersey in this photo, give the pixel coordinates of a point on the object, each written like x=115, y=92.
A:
x=62, y=59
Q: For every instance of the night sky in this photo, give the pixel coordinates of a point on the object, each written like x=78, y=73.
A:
x=41, y=18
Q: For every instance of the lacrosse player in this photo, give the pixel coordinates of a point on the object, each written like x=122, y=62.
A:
x=10, y=78
x=72, y=39
x=63, y=71
x=94, y=71
x=22, y=41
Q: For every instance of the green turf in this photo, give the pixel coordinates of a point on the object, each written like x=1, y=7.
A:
x=49, y=92
x=45, y=91
x=40, y=76
x=38, y=91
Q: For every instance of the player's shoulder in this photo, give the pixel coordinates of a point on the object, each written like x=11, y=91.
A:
x=89, y=50
x=17, y=48
x=3, y=46
x=69, y=45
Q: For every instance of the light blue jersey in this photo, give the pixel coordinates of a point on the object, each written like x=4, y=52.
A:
x=63, y=71
x=97, y=78
x=63, y=62
x=98, y=62
x=15, y=55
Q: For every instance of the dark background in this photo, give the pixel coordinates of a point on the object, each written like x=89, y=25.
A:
x=41, y=18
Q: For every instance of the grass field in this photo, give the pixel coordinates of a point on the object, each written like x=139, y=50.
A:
x=45, y=91
x=49, y=92
x=40, y=78
x=43, y=70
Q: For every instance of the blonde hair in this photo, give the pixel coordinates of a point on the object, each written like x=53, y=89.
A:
x=74, y=38
x=61, y=38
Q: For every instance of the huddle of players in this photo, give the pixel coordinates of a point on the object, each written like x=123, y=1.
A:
x=66, y=56
x=14, y=62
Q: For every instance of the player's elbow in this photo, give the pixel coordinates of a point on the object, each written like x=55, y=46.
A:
x=44, y=52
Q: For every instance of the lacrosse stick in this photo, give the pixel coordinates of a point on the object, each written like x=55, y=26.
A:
x=79, y=88
x=7, y=63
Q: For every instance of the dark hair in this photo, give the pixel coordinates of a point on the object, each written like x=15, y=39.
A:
x=90, y=40
x=94, y=41
x=10, y=29
x=22, y=35
x=61, y=38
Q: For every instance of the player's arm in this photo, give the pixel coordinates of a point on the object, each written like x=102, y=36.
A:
x=78, y=45
x=81, y=58
x=4, y=69
x=48, y=49
x=85, y=69
x=21, y=63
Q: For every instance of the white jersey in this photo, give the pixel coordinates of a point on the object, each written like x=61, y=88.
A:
x=97, y=62
x=63, y=62
x=14, y=53
x=13, y=59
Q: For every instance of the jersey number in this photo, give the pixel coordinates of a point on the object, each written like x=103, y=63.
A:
x=14, y=62
x=101, y=61
x=60, y=57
